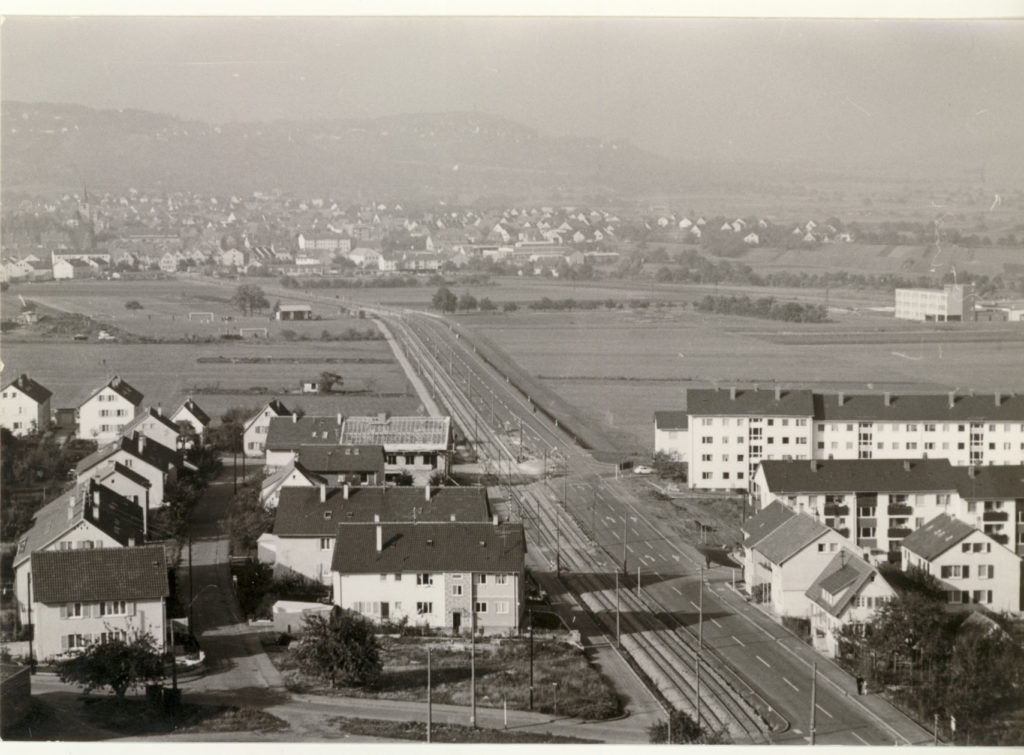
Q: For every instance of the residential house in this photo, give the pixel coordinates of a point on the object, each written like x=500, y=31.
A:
x=291, y=475
x=156, y=426
x=420, y=446
x=338, y=465
x=459, y=576
x=80, y=597
x=169, y=262
x=71, y=269
x=307, y=519
x=285, y=435
x=783, y=552
x=24, y=406
x=191, y=414
x=105, y=413
x=90, y=515
x=254, y=434
x=671, y=434
x=848, y=591
x=157, y=463
x=365, y=257
x=14, y=270
x=972, y=568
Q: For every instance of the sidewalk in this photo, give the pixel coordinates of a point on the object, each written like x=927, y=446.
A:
x=899, y=725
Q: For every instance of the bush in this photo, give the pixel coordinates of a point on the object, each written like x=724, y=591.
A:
x=289, y=335
x=133, y=304
x=509, y=306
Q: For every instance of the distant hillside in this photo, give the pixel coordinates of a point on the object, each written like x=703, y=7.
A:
x=53, y=148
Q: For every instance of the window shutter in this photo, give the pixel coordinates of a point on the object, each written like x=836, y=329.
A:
x=131, y=608
x=63, y=642
x=967, y=571
x=64, y=611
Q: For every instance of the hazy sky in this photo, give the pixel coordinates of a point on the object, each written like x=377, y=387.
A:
x=689, y=88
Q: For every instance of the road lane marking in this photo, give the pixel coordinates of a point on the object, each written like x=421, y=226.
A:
x=695, y=605
x=650, y=545
x=790, y=684
x=763, y=661
x=656, y=574
x=860, y=738
x=741, y=644
x=713, y=621
x=629, y=548
x=677, y=590
x=675, y=558
x=823, y=711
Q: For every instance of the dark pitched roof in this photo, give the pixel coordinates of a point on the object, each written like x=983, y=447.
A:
x=300, y=513
x=732, y=402
x=990, y=482
x=428, y=433
x=101, y=574
x=30, y=388
x=843, y=577
x=131, y=474
x=274, y=405
x=288, y=434
x=860, y=475
x=671, y=420
x=119, y=517
x=937, y=536
x=151, y=414
x=445, y=547
x=121, y=388
x=765, y=521
x=790, y=537
x=335, y=459
x=193, y=408
x=920, y=407
x=153, y=453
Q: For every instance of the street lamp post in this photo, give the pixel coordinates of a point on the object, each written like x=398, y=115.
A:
x=430, y=703
x=530, y=615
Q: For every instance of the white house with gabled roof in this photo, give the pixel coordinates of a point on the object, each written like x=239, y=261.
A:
x=24, y=406
x=108, y=410
x=254, y=434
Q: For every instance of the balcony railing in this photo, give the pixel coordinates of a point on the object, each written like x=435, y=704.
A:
x=899, y=531
x=995, y=516
x=900, y=509
x=836, y=509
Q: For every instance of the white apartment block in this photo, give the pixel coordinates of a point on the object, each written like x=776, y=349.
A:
x=105, y=414
x=879, y=502
x=972, y=568
x=732, y=430
x=954, y=303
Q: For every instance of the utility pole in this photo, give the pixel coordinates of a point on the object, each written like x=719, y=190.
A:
x=814, y=691
x=638, y=580
x=593, y=516
x=530, y=615
x=935, y=729
x=558, y=542
x=624, y=570
x=430, y=702
x=698, y=687
x=31, y=628
x=472, y=667
x=700, y=611
x=618, y=642
x=191, y=597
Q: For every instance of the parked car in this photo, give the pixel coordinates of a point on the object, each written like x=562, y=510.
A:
x=643, y=469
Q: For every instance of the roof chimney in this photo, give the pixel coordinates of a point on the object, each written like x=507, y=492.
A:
x=339, y=418
x=95, y=504
x=732, y=393
x=323, y=493
x=452, y=518
x=376, y=518
x=295, y=418
x=972, y=471
x=952, y=399
x=888, y=398
x=426, y=491
x=906, y=465
x=380, y=538
x=495, y=520
x=344, y=491
x=778, y=392
x=159, y=410
x=142, y=442
x=841, y=398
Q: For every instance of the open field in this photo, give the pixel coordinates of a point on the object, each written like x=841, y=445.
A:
x=167, y=373
x=618, y=367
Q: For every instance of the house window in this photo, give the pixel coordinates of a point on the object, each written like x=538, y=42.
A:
x=981, y=596
x=481, y=606
x=424, y=579
x=707, y=439
x=424, y=607
x=398, y=576
x=456, y=589
x=383, y=577
x=500, y=579
x=955, y=571
x=705, y=457
x=705, y=475
x=114, y=608
x=326, y=543
x=866, y=532
x=501, y=606
x=986, y=571
x=481, y=579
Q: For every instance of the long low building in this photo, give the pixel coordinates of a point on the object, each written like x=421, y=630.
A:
x=728, y=432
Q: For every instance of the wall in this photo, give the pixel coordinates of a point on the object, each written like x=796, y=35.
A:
x=106, y=408
x=144, y=616
x=21, y=414
x=791, y=580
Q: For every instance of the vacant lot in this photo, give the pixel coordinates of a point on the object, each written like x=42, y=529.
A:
x=621, y=366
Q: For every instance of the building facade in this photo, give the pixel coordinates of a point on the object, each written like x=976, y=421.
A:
x=954, y=303
x=24, y=406
x=105, y=414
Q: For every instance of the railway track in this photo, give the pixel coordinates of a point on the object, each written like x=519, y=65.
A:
x=667, y=655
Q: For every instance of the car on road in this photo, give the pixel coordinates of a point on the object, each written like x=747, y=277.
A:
x=643, y=469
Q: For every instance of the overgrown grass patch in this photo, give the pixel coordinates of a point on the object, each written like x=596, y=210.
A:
x=448, y=733
x=502, y=675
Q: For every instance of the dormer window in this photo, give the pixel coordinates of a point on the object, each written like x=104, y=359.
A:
x=327, y=516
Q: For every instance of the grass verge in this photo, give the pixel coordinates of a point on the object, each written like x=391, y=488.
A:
x=449, y=733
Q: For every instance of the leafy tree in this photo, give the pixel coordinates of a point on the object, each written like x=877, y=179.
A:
x=117, y=664
x=486, y=305
x=509, y=306
x=248, y=518
x=328, y=380
x=132, y=304
x=444, y=300
x=404, y=479
x=467, y=302
x=248, y=299
x=684, y=731
x=340, y=648
x=228, y=435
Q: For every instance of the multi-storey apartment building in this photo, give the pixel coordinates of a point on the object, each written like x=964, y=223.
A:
x=731, y=430
x=879, y=502
x=953, y=303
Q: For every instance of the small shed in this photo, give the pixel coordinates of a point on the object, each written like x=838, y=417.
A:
x=294, y=312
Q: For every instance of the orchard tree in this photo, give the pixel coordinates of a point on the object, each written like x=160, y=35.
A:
x=118, y=664
x=340, y=648
x=249, y=298
x=467, y=302
x=328, y=380
x=444, y=300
